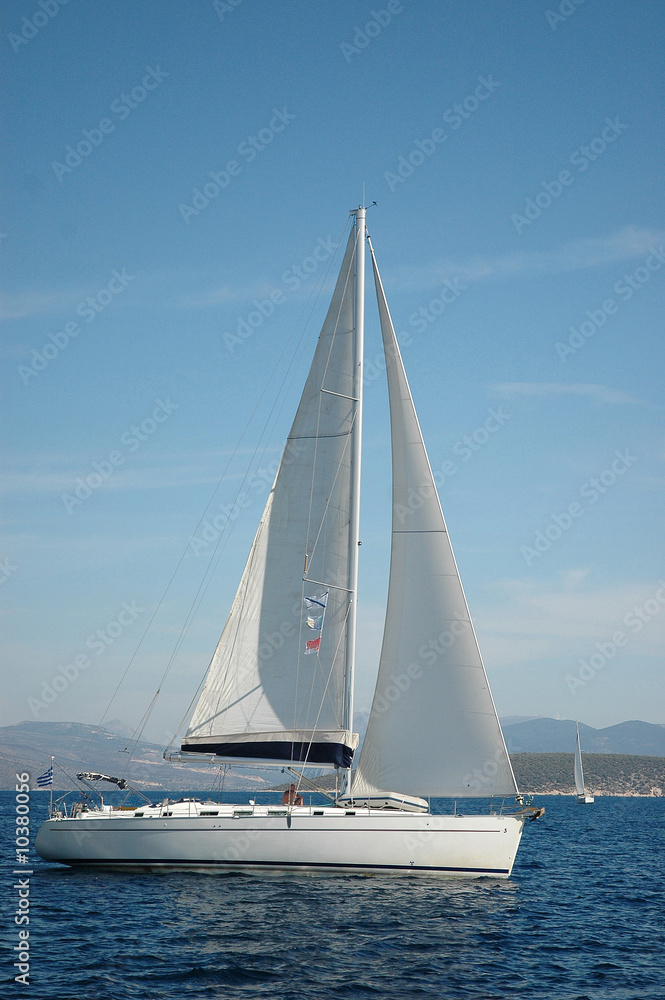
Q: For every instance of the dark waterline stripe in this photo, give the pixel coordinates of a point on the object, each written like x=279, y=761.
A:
x=281, y=864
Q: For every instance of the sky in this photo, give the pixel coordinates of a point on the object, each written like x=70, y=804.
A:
x=176, y=189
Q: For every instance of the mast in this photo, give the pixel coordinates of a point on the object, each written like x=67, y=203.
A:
x=356, y=440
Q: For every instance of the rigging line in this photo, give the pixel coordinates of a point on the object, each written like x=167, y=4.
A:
x=311, y=300
x=198, y=598
x=200, y=593
x=200, y=521
x=325, y=690
x=347, y=445
x=316, y=664
x=311, y=304
x=321, y=284
x=136, y=736
x=301, y=777
x=238, y=600
x=332, y=667
x=314, y=295
x=138, y=732
x=225, y=535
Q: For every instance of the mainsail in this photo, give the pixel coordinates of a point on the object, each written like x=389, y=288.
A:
x=433, y=727
x=263, y=697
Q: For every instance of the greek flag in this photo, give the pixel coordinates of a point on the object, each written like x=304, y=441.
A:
x=316, y=602
x=46, y=779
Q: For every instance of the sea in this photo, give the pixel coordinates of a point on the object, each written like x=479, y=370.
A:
x=582, y=916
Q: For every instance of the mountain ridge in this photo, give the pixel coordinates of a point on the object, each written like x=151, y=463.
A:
x=28, y=746
x=545, y=735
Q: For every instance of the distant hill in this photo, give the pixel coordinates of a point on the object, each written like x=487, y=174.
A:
x=510, y=720
x=558, y=736
x=604, y=773
x=28, y=746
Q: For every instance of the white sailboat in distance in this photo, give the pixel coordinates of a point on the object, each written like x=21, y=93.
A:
x=279, y=688
x=582, y=796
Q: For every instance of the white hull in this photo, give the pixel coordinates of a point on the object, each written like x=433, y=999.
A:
x=584, y=799
x=242, y=838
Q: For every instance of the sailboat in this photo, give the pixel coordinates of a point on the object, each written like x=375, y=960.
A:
x=582, y=797
x=280, y=685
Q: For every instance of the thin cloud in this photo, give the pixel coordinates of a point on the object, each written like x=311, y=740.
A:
x=47, y=474
x=221, y=296
x=144, y=478
x=521, y=620
x=600, y=394
x=40, y=302
x=625, y=244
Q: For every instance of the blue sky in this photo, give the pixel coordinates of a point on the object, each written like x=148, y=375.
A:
x=515, y=152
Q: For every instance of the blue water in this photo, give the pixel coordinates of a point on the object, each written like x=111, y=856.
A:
x=583, y=916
